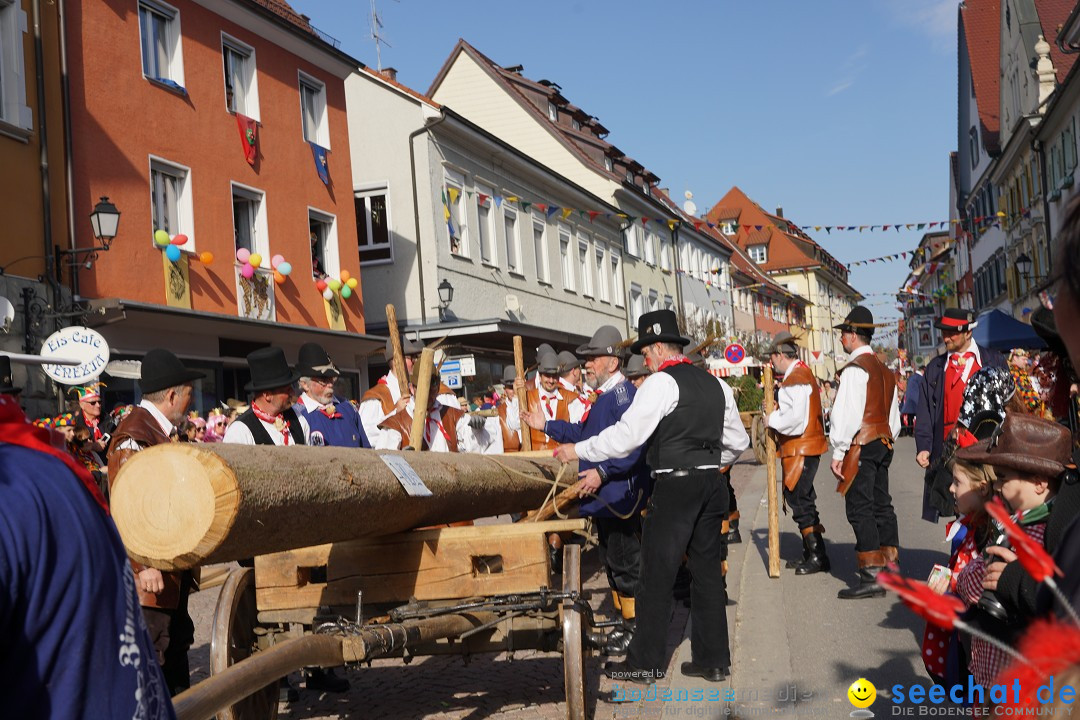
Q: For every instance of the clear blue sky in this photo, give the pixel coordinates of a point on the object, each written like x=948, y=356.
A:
x=841, y=112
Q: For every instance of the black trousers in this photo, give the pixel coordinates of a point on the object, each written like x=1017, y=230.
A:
x=620, y=543
x=173, y=633
x=803, y=499
x=684, y=517
x=868, y=503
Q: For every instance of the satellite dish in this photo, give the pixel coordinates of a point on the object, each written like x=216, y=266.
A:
x=689, y=207
x=7, y=315
x=512, y=304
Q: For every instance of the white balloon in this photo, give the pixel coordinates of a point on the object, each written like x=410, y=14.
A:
x=328, y=294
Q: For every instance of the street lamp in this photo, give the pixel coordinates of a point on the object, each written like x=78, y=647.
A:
x=446, y=296
x=1023, y=264
x=105, y=221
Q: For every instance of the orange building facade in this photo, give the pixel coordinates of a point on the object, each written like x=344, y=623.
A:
x=166, y=99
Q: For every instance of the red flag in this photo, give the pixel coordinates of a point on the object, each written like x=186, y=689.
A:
x=593, y=214
x=942, y=610
x=247, y=128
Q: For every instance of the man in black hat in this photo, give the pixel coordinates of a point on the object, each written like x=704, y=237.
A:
x=865, y=421
x=333, y=420
x=270, y=420
x=166, y=387
x=942, y=395
x=383, y=399
x=679, y=412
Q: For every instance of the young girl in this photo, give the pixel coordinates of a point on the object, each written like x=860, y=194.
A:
x=971, y=488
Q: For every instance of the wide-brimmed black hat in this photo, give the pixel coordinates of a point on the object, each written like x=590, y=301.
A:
x=162, y=370
x=607, y=340
x=408, y=347
x=859, y=321
x=314, y=362
x=956, y=320
x=269, y=370
x=6, y=386
x=658, y=326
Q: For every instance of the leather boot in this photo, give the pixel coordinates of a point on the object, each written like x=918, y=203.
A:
x=816, y=560
x=891, y=554
x=618, y=640
x=733, y=535
x=869, y=564
x=805, y=548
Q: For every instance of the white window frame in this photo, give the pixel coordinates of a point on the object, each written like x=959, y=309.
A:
x=553, y=112
x=485, y=231
x=540, y=249
x=617, y=278
x=584, y=264
x=608, y=164
x=633, y=237
x=247, y=101
x=669, y=303
x=174, y=47
x=603, y=289
x=458, y=213
x=512, y=240
x=365, y=195
x=184, y=211
x=754, y=255
x=637, y=304
x=654, y=301
x=13, y=108
x=665, y=255
x=259, y=228
x=650, y=249
x=567, y=257
x=321, y=135
x=331, y=257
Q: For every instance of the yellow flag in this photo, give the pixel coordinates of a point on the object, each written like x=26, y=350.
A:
x=566, y=212
x=454, y=195
x=671, y=224
x=446, y=212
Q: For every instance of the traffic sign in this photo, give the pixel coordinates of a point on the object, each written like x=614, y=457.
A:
x=452, y=381
x=734, y=353
x=450, y=367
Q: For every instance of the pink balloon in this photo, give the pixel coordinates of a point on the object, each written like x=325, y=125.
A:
x=276, y=260
x=242, y=255
x=247, y=271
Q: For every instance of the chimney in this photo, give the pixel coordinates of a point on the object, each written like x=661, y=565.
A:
x=389, y=73
x=779, y=211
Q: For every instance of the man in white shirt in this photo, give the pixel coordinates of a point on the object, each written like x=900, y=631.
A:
x=166, y=386
x=556, y=402
x=271, y=419
x=385, y=398
x=680, y=412
x=865, y=420
x=799, y=424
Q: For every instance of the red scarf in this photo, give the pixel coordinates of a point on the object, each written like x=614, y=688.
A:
x=15, y=429
x=675, y=360
x=284, y=429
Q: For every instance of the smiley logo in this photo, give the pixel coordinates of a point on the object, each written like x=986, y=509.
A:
x=862, y=693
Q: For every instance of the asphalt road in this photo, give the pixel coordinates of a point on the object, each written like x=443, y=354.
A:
x=796, y=647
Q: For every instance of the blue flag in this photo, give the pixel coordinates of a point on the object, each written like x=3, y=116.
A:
x=319, y=153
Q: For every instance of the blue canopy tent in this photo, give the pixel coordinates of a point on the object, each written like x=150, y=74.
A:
x=1002, y=331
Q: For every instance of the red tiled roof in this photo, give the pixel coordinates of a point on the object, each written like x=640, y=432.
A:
x=1052, y=16
x=758, y=237
x=283, y=9
x=980, y=21
x=721, y=214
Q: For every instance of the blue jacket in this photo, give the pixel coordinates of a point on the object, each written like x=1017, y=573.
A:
x=911, y=396
x=930, y=412
x=344, y=431
x=626, y=477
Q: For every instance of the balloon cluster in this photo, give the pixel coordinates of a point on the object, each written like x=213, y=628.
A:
x=172, y=246
x=344, y=283
x=251, y=261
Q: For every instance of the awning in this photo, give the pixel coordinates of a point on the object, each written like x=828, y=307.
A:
x=133, y=328
x=494, y=334
x=1001, y=331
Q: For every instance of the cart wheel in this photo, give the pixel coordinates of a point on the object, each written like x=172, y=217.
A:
x=573, y=636
x=232, y=638
x=757, y=437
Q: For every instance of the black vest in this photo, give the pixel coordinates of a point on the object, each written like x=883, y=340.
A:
x=690, y=436
x=259, y=432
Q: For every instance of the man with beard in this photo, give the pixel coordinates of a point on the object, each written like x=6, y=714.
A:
x=333, y=421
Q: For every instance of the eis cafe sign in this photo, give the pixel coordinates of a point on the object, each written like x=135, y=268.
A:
x=76, y=343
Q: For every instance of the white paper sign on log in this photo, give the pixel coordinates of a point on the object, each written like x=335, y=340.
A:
x=408, y=478
x=79, y=343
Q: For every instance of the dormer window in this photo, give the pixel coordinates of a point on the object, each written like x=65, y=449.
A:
x=630, y=176
x=608, y=165
x=553, y=112
x=759, y=253
x=645, y=187
x=575, y=123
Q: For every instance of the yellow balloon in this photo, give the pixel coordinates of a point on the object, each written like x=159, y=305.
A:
x=352, y=282
x=255, y=259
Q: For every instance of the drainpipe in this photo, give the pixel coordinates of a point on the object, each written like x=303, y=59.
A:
x=675, y=262
x=429, y=122
x=43, y=138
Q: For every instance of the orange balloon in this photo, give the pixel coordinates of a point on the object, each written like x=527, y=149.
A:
x=345, y=276
x=279, y=278
x=206, y=257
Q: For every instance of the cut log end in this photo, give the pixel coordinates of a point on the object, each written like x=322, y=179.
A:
x=183, y=514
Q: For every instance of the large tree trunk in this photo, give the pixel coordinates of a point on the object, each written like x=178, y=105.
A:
x=180, y=505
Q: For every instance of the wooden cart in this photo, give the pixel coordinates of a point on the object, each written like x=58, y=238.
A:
x=459, y=590
x=754, y=422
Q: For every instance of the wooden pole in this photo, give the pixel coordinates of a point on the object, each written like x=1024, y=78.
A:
x=563, y=500
x=397, y=362
x=770, y=468
x=182, y=505
x=522, y=400
x=423, y=395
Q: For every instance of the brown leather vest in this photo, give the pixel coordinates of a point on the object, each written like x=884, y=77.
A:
x=540, y=441
x=381, y=392
x=402, y=422
x=511, y=441
x=813, y=441
x=879, y=394
x=143, y=428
